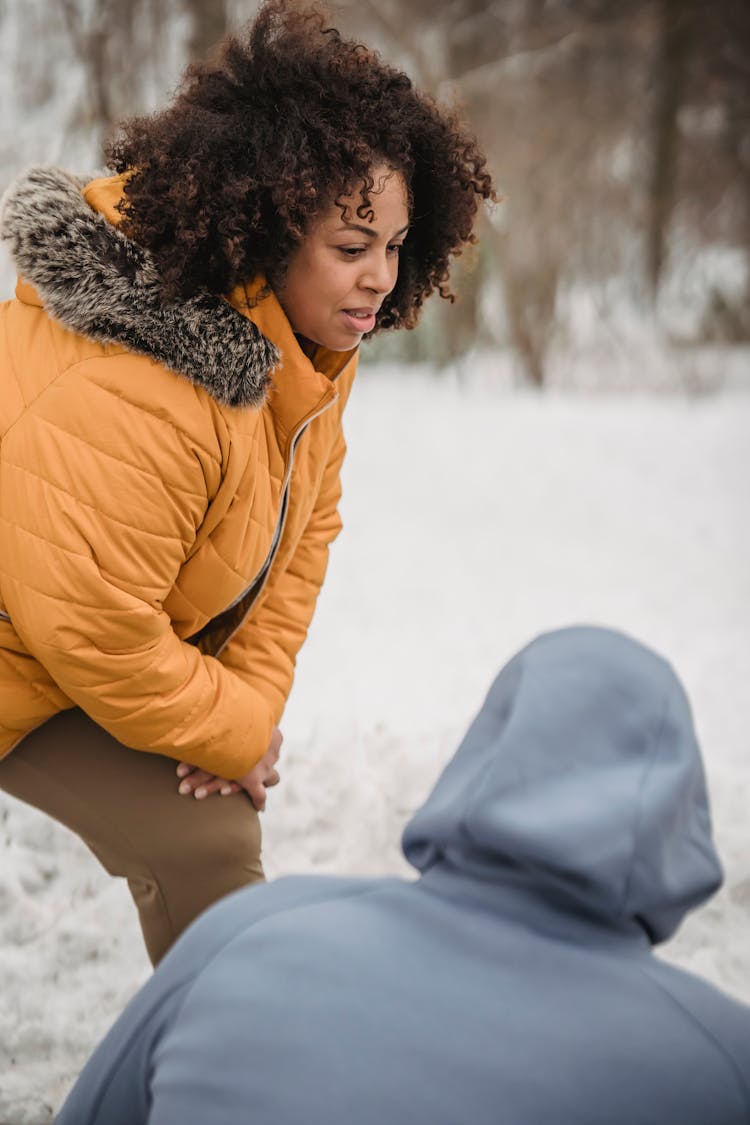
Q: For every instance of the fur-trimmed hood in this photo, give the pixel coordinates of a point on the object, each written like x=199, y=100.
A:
x=101, y=285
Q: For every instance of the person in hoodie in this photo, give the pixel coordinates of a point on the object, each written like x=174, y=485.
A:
x=173, y=373
x=513, y=982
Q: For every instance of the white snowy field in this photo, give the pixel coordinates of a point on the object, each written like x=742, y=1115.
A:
x=474, y=519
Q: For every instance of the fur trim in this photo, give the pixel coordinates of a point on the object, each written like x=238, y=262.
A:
x=102, y=285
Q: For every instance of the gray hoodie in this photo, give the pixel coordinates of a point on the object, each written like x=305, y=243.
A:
x=512, y=984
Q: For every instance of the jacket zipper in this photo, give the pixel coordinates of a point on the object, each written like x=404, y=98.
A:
x=260, y=579
x=262, y=574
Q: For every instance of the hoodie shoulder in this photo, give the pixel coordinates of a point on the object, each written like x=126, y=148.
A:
x=722, y=1021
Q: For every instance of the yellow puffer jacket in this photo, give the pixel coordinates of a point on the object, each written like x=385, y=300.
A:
x=169, y=481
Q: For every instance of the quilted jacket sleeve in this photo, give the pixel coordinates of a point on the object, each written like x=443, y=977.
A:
x=264, y=649
x=100, y=499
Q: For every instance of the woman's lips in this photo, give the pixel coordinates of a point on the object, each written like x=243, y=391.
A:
x=359, y=320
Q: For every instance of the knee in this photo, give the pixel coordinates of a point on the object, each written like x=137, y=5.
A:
x=219, y=834
x=212, y=850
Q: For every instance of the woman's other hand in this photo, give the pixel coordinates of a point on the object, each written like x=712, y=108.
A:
x=201, y=783
x=264, y=773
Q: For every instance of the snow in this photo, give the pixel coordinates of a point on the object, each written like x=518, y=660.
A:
x=474, y=519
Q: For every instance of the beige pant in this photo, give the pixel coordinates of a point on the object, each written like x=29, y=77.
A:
x=178, y=855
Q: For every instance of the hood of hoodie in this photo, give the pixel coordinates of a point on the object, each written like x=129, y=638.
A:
x=100, y=284
x=581, y=778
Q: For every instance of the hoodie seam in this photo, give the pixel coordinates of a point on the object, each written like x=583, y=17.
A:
x=355, y=893
x=190, y=982
x=485, y=783
x=706, y=1033
x=629, y=877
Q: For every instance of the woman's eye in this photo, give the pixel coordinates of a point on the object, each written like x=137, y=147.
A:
x=357, y=251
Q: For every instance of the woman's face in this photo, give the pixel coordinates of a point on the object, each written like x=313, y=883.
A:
x=345, y=266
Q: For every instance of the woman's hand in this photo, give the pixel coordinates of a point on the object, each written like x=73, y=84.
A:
x=262, y=776
x=264, y=773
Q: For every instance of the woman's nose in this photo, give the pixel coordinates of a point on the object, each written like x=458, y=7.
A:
x=380, y=274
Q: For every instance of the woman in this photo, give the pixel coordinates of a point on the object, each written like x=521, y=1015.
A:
x=175, y=365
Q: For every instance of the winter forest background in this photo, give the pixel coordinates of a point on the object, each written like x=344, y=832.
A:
x=618, y=133
x=567, y=443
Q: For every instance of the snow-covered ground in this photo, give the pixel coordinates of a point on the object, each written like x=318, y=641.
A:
x=474, y=519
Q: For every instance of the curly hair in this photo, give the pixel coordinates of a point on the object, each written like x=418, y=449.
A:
x=222, y=185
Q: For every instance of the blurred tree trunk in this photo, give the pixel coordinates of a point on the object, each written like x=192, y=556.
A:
x=461, y=321
x=530, y=294
x=208, y=21
x=109, y=72
x=674, y=23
